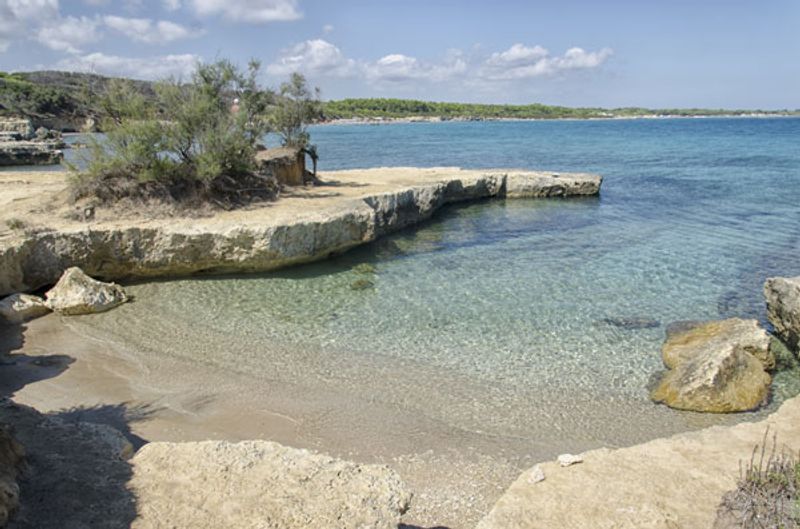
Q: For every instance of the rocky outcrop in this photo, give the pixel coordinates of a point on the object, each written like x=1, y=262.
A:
x=215, y=484
x=717, y=367
x=30, y=153
x=76, y=293
x=18, y=308
x=287, y=165
x=663, y=484
x=11, y=459
x=260, y=239
x=783, y=308
x=21, y=145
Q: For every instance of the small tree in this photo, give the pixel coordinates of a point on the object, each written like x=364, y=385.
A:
x=296, y=107
x=189, y=142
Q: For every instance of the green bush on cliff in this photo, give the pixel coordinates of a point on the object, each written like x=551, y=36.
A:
x=191, y=142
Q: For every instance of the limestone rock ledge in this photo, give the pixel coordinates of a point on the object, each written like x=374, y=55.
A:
x=672, y=483
x=264, y=239
x=783, y=308
x=213, y=484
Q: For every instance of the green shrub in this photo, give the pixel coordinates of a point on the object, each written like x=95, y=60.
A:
x=191, y=142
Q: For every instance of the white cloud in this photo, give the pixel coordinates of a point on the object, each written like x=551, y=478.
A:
x=523, y=62
x=134, y=67
x=315, y=58
x=149, y=31
x=171, y=5
x=17, y=15
x=68, y=34
x=398, y=68
x=327, y=28
x=253, y=11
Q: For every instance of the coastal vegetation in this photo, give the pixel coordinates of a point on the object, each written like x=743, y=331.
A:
x=192, y=142
x=406, y=108
x=70, y=98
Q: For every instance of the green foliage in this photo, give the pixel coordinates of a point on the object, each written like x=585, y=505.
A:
x=408, y=108
x=189, y=141
x=296, y=107
x=21, y=97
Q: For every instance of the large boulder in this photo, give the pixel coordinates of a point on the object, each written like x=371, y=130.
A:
x=213, y=484
x=783, y=308
x=18, y=308
x=77, y=293
x=717, y=367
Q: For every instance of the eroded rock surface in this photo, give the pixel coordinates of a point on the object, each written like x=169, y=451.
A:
x=353, y=208
x=77, y=293
x=673, y=483
x=11, y=459
x=716, y=367
x=18, y=308
x=783, y=308
x=260, y=484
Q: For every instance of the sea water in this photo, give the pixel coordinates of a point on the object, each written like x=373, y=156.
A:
x=539, y=320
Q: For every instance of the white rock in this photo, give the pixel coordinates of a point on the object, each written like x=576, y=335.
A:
x=536, y=475
x=566, y=460
x=18, y=308
x=260, y=484
x=76, y=293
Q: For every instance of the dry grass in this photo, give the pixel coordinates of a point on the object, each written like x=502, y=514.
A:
x=766, y=496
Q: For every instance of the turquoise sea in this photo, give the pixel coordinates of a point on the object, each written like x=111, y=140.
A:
x=504, y=318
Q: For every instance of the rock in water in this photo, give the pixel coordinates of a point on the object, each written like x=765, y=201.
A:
x=702, y=339
x=76, y=293
x=783, y=308
x=18, y=308
x=214, y=484
x=634, y=323
x=717, y=367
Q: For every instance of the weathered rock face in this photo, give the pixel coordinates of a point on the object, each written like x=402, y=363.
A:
x=20, y=128
x=783, y=308
x=18, y=308
x=76, y=293
x=673, y=483
x=286, y=164
x=260, y=484
x=252, y=242
x=11, y=459
x=716, y=367
x=30, y=153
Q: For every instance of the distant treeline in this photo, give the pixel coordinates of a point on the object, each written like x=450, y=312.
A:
x=66, y=99
x=409, y=108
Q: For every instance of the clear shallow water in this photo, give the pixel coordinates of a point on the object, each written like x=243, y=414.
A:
x=491, y=317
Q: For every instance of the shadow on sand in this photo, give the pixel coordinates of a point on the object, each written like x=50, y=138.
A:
x=72, y=476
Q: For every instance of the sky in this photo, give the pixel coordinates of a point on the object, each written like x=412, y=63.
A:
x=610, y=53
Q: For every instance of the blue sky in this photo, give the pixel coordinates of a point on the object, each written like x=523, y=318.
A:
x=701, y=53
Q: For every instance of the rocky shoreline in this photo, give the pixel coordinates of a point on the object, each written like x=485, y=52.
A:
x=674, y=482
x=353, y=208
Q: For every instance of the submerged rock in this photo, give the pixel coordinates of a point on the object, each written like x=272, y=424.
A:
x=783, y=308
x=717, y=367
x=18, y=308
x=215, y=484
x=633, y=323
x=362, y=284
x=77, y=293
x=365, y=268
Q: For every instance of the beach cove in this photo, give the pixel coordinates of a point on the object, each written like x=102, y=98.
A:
x=459, y=441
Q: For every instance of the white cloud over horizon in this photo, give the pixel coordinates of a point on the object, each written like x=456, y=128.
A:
x=149, y=31
x=147, y=68
x=319, y=58
x=249, y=11
x=69, y=34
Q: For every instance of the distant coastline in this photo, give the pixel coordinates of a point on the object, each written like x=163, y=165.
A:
x=440, y=119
